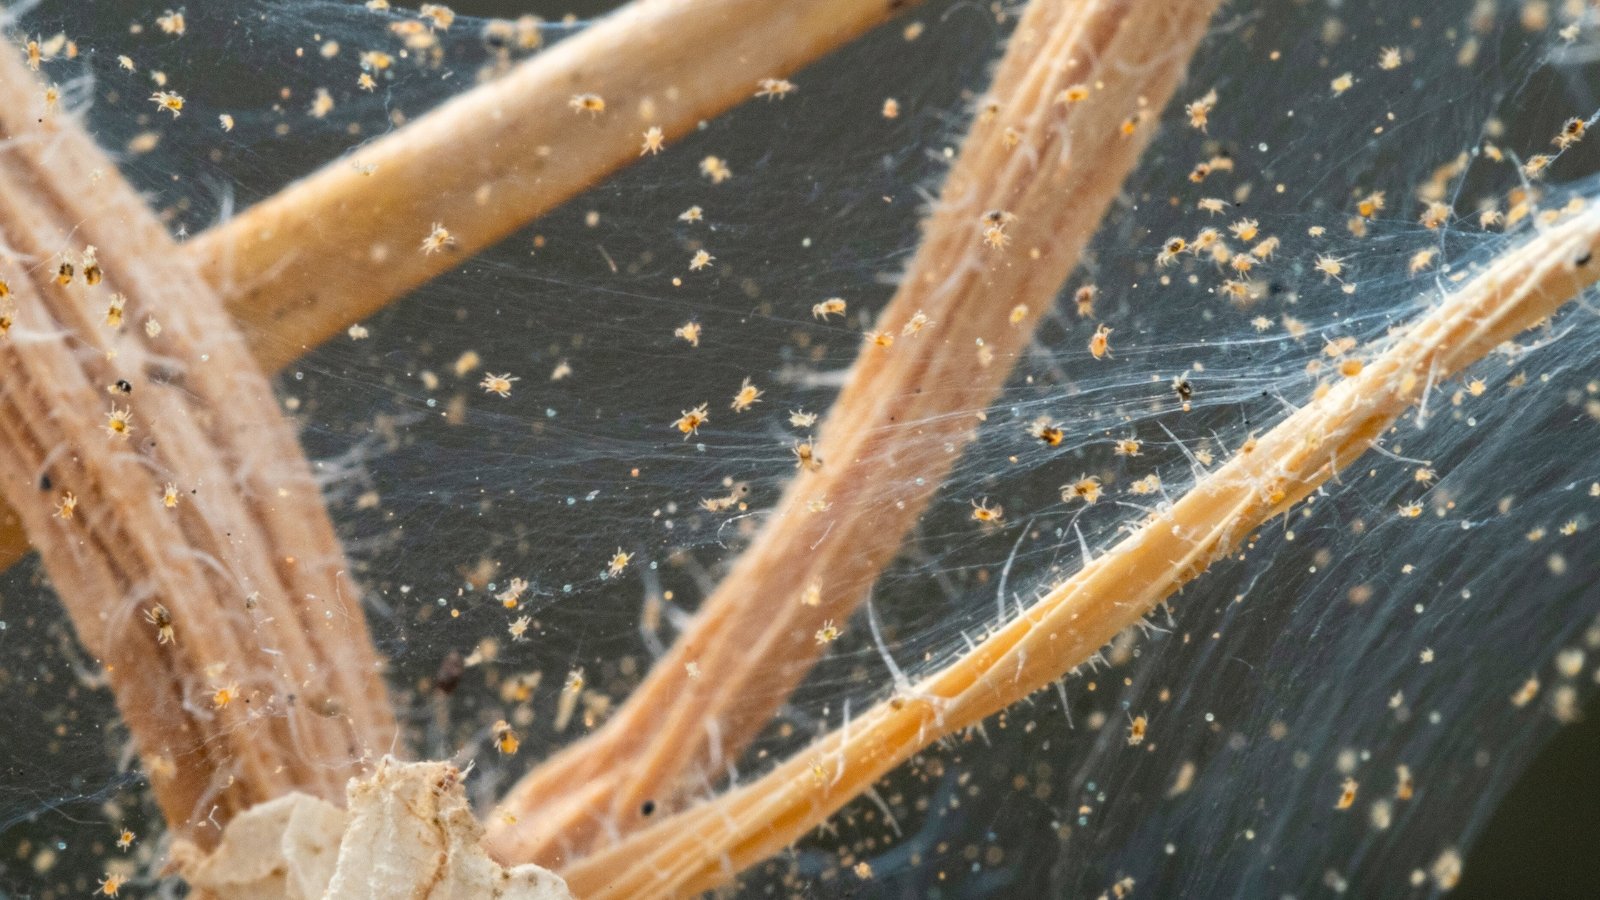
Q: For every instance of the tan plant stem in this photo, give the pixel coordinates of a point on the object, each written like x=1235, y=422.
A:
x=1051, y=166
x=339, y=245
x=246, y=564
x=702, y=848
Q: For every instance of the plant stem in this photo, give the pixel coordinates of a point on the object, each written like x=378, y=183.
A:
x=246, y=564
x=339, y=245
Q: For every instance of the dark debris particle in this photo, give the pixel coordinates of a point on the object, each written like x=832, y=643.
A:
x=451, y=669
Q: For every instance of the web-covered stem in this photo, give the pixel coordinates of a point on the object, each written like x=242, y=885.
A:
x=222, y=612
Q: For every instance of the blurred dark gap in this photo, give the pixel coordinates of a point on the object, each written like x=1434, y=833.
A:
x=1543, y=838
